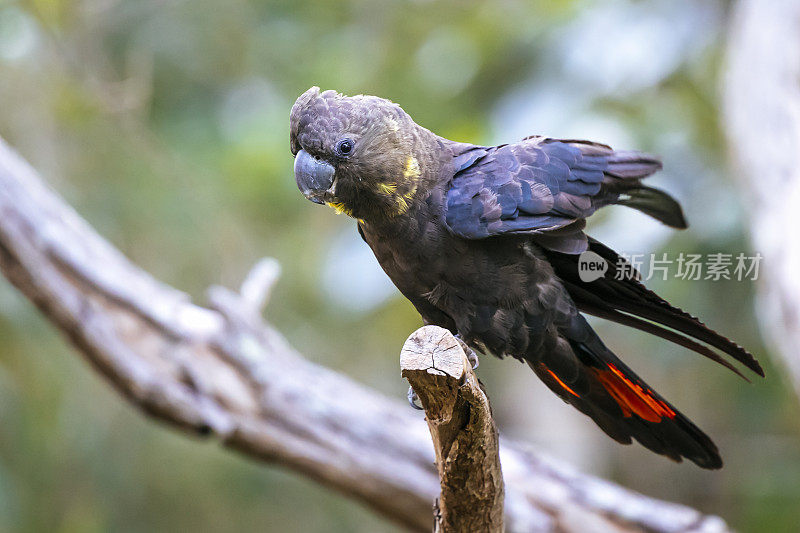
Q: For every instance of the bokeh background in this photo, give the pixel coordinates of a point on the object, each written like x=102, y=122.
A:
x=165, y=123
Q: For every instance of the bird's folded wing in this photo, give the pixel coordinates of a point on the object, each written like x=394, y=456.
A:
x=543, y=187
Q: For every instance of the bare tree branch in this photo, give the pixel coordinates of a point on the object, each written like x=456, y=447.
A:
x=224, y=373
x=464, y=434
x=762, y=115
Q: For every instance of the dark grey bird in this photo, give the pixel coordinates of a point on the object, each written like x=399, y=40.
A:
x=485, y=241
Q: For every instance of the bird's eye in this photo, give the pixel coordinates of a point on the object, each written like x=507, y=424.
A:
x=344, y=147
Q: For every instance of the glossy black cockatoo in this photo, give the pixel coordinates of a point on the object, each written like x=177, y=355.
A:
x=485, y=241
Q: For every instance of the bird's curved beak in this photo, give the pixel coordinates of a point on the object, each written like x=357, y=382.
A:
x=314, y=177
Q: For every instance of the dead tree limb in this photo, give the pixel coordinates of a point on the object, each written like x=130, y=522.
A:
x=464, y=434
x=762, y=118
x=223, y=372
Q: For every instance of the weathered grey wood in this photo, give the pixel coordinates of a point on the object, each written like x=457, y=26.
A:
x=464, y=434
x=761, y=87
x=223, y=372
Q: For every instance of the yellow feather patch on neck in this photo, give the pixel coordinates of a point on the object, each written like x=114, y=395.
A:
x=402, y=204
x=411, y=170
x=411, y=174
x=339, y=208
x=387, y=188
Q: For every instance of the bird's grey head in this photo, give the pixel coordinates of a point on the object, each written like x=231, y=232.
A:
x=357, y=154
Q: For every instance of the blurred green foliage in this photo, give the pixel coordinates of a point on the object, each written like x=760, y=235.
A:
x=165, y=124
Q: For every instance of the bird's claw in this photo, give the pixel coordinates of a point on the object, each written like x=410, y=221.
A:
x=413, y=399
x=471, y=355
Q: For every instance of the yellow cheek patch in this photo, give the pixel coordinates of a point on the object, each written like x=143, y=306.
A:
x=402, y=204
x=411, y=174
x=339, y=208
x=411, y=170
x=404, y=200
x=387, y=188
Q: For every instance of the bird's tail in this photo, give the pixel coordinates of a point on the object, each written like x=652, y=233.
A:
x=619, y=296
x=586, y=374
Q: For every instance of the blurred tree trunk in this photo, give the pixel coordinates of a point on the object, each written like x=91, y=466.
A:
x=762, y=119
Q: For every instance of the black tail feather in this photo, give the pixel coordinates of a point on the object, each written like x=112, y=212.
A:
x=658, y=331
x=586, y=374
x=622, y=300
x=672, y=434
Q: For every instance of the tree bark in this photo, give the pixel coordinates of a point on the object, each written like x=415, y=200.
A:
x=225, y=373
x=762, y=119
x=464, y=434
